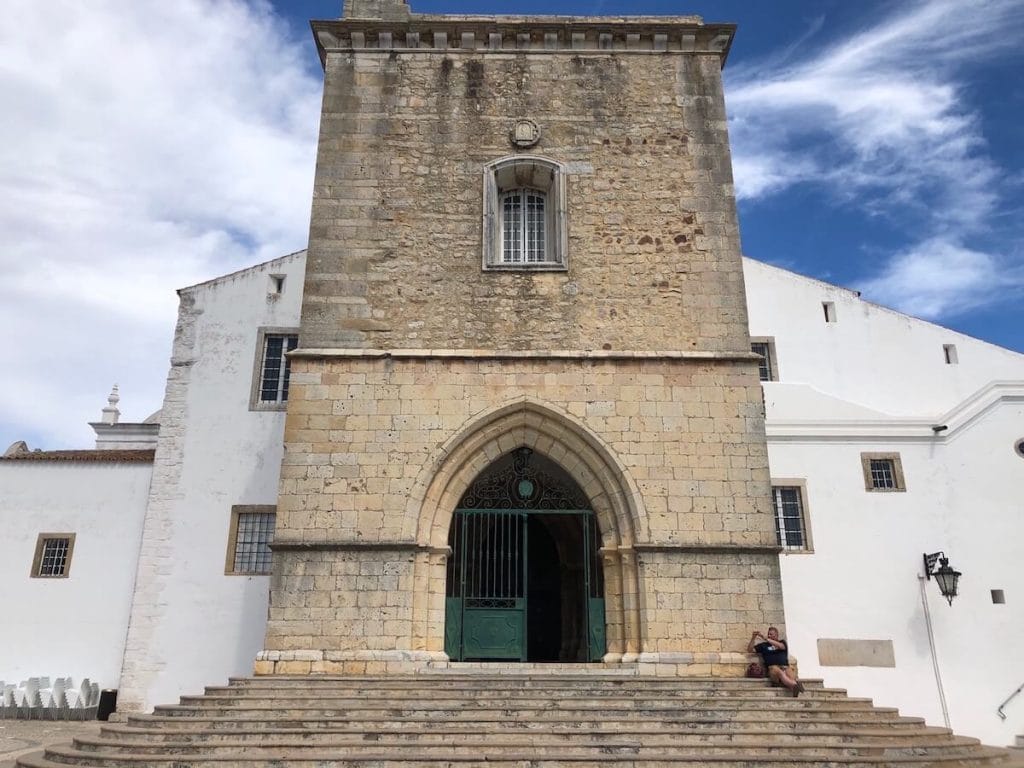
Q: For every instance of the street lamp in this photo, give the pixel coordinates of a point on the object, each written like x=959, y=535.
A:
x=945, y=576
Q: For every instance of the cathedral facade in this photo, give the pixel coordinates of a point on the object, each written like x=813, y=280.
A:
x=522, y=401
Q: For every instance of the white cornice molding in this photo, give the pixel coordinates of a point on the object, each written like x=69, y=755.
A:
x=956, y=421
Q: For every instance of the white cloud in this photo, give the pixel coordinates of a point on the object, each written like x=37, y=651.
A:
x=883, y=122
x=939, y=278
x=145, y=146
x=879, y=114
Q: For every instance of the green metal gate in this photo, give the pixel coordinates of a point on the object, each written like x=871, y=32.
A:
x=486, y=609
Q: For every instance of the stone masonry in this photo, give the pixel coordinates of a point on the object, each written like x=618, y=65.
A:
x=630, y=366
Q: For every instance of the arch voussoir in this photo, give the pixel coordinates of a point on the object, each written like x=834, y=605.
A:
x=588, y=460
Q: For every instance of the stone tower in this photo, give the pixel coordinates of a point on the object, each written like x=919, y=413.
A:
x=524, y=420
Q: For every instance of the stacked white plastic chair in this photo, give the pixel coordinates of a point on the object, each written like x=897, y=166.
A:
x=39, y=698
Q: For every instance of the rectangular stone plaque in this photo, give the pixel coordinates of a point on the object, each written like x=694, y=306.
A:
x=834, y=652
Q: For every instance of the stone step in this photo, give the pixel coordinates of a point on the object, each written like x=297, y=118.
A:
x=799, y=721
x=739, y=758
x=432, y=683
x=513, y=710
x=666, y=719
x=143, y=741
x=567, y=701
x=541, y=748
x=528, y=722
x=235, y=694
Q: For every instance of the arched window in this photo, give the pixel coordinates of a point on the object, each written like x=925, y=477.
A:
x=524, y=215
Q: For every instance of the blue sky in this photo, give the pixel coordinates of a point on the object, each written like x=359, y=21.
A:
x=152, y=145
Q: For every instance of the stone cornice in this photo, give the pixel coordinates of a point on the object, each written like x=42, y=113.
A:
x=526, y=34
x=523, y=354
x=715, y=549
x=356, y=546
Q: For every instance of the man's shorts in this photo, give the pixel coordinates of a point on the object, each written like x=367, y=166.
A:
x=774, y=671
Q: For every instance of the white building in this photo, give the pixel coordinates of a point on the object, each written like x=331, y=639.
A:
x=72, y=522
x=889, y=438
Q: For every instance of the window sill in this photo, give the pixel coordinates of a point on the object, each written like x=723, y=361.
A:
x=266, y=406
x=536, y=267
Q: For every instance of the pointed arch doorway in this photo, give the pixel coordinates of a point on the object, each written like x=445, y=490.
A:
x=524, y=578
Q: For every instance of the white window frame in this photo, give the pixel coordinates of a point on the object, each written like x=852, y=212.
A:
x=799, y=485
x=256, y=403
x=519, y=174
x=522, y=251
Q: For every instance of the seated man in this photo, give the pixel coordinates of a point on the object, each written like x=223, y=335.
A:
x=775, y=654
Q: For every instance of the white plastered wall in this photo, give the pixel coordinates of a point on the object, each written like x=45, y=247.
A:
x=876, y=381
x=192, y=625
x=871, y=356
x=76, y=625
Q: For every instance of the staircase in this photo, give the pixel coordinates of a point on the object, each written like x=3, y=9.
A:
x=523, y=720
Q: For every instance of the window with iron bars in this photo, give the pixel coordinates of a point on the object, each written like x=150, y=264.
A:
x=882, y=472
x=53, y=555
x=523, y=227
x=765, y=370
x=275, y=368
x=524, y=215
x=252, y=533
x=790, y=526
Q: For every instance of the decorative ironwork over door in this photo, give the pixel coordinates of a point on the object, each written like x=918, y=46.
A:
x=494, y=608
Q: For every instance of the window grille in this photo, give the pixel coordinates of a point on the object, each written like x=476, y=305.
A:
x=524, y=227
x=883, y=474
x=252, y=542
x=54, y=558
x=764, y=366
x=789, y=517
x=276, y=367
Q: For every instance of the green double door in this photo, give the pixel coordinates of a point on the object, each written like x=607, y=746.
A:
x=526, y=585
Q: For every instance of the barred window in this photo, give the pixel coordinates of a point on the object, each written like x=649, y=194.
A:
x=790, y=527
x=764, y=366
x=276, y=368
x=52, y=557
x=882, y=472
x=250, y=537
x=524, y=217
x=272, y=369
x=523, y=233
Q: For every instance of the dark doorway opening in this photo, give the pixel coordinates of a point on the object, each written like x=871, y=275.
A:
x=524, y=576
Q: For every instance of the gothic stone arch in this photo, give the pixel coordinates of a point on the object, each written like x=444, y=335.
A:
x=613, y=496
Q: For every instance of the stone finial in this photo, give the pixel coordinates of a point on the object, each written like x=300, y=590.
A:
x=388, y=10
x=110, y=413
x=17, y=448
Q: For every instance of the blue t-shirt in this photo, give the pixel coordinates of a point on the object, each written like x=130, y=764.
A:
x=773, y=657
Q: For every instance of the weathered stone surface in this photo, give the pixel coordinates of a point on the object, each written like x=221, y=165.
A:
x=630, y=368
x=396, y=243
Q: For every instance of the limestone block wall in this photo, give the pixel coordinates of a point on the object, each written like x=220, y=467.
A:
x=379, y=449
x=723, y=593
x=359, y=600
x=395, y=241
